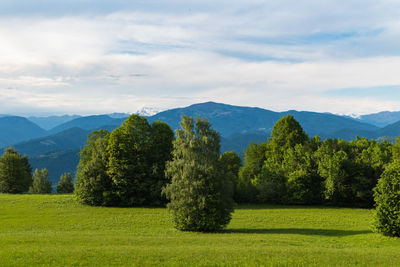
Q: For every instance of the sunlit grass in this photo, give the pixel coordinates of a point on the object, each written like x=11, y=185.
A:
x=55, y=230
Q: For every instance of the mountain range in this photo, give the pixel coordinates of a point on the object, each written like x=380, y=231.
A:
x=54, y=142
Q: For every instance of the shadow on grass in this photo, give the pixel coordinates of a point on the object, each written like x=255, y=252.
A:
x=297, y=231
x=282, y=207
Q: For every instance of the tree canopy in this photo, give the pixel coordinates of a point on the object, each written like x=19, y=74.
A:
x=125, y=167
x=15, y=172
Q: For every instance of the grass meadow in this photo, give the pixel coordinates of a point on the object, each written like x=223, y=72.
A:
x=54, y=230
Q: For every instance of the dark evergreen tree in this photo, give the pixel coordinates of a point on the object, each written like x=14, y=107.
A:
x=200, y=192
x=65, y=185
x=15, y=172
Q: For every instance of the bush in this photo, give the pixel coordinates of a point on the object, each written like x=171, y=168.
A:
x=387, y=198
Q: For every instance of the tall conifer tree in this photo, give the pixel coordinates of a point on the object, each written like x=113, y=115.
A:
x=200, y=191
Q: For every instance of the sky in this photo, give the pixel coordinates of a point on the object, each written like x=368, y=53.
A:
x=90, y=57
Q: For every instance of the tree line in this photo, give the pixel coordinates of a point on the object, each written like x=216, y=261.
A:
x=16, y=176
x=291, y=168
x=146, y=164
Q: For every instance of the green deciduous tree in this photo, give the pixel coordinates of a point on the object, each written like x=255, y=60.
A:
x=65, y=185
x=41, y=183
x=254, y=158
x=303, y=184
x=93, y=186
x=200, y=191
x=128, y=165
x=288, y=163
x=15, y=172
x=332, y=162
x=137, y=155
x=287, y=133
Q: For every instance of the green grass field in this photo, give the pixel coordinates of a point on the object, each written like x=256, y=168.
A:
x=55, y=230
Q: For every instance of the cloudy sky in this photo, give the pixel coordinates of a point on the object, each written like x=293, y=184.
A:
x=88, y=57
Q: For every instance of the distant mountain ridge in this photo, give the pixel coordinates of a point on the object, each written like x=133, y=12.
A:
x=232, y=120
x=88, y=123
x=57, y=149
x=14, y=129
x=381, y=119
x=71, y=138
x=52, y=121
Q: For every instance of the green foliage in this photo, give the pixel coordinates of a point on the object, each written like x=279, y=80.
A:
x=291, y=169
x=129, y=147
x=137, y=155
x=287, y=133
x=160, y=152
x=126, y=167
x=65, y=185
x=303, y=184
x=93, y=186
x=231, y=163
x=351, y=169
x=200, y=191
x=41, y=184
x=288, y=170
x=254, y=157
x=331, y=167
x=15, y=172
x=270, y=184
x=387, y=198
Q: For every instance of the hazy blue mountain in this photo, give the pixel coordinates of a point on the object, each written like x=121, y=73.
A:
x=57, y=163
x=381, y=119
x=89, y=123
x=69, y=139
x=14, y=129
x=390, y=130
x=350, y=134
x=50, y=122
x=58, y=151
x=233, y=120
x=328, y=125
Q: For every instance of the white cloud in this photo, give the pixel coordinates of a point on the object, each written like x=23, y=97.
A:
x=276, y=54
